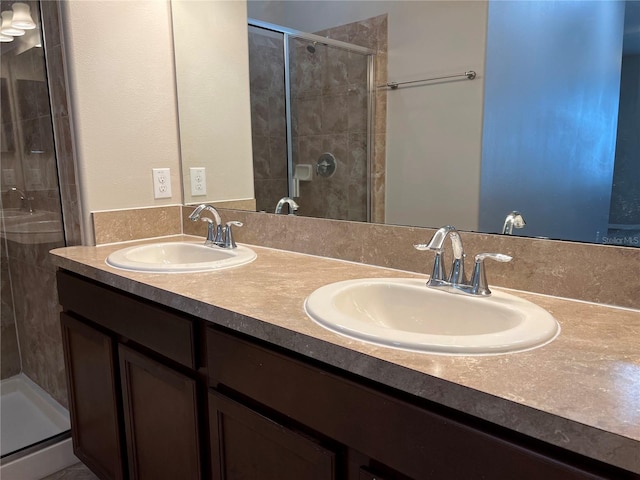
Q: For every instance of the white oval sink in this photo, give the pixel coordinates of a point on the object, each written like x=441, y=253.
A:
x=404, y=313
x=179, y=257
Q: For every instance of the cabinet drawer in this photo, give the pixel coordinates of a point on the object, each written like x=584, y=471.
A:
x=413, y=440
x=143, y=322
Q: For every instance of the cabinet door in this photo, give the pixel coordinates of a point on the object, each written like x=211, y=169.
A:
x=88, y=356
x=161, y=424
x=248, y=446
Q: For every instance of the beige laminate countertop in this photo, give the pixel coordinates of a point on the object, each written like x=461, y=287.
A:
x=581, y=392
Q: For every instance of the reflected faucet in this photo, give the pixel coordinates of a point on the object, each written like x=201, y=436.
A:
x=26, y=199
x=293, y=206
x=457, y=282
x=214, y=232
x=513, y=220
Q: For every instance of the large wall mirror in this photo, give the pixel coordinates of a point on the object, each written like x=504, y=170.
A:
x=547, y=125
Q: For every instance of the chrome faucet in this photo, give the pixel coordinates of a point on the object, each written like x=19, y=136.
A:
x=457, y=282
x=217, y=235
x=513, y=220
x=293, y=206
x=26, y=199
x=436, y=244
x=214, y=229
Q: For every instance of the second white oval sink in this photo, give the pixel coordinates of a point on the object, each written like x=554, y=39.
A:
x=405, y=313
x=179, y=257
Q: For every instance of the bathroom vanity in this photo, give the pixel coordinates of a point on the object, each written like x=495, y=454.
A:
x=221, y=375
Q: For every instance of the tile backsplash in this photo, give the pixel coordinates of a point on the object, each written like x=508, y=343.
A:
x=135, y=224
x=596, y=273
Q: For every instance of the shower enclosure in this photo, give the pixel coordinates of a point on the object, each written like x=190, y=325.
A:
x=312, y=113
x=37, y=184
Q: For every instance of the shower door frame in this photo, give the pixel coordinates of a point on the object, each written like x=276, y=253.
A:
x=289, y=33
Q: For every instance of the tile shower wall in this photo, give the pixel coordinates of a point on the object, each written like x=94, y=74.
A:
x=268, y=127
x=329, y=105
x=36, y=312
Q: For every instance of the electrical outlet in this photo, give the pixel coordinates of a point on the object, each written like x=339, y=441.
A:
x=161, y=183
x=198, y=181
x=8, y=177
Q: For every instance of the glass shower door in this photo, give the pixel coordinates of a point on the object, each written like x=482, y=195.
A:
x=311, y=110
x=330, y=130
x=33, y=389
x=268, y=116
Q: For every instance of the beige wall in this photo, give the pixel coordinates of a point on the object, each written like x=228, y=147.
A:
x=214, y=108
x=123, y=91
x=124, y=102
x=120, y=61
x=434, y=132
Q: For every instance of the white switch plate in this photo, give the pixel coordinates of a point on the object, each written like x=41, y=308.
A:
x=162, y=183
x=198, y=181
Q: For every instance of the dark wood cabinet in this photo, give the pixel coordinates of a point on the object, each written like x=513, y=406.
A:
x=92, y=381
x=384, y=436
x=160, y=417
x=247, y=445
x=156, y=394
x=132, y=384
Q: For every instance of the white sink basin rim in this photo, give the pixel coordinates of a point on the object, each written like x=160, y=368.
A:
x=405, y=314
x=179, y=257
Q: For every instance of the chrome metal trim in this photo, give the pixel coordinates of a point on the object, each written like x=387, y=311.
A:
x=371, y=140
x=287, y=113
x=310, y=36
x=469, y=74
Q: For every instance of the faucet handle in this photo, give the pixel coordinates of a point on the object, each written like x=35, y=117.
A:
x=425, y=246
x=228, y=234
x=479, y=285
x=438, y=274
x=214, y=232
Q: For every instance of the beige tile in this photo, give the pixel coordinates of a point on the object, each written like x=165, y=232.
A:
x=597, y=273
x=134, y=224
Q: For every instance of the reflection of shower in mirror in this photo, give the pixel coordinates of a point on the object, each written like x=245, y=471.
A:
x=326, y=165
